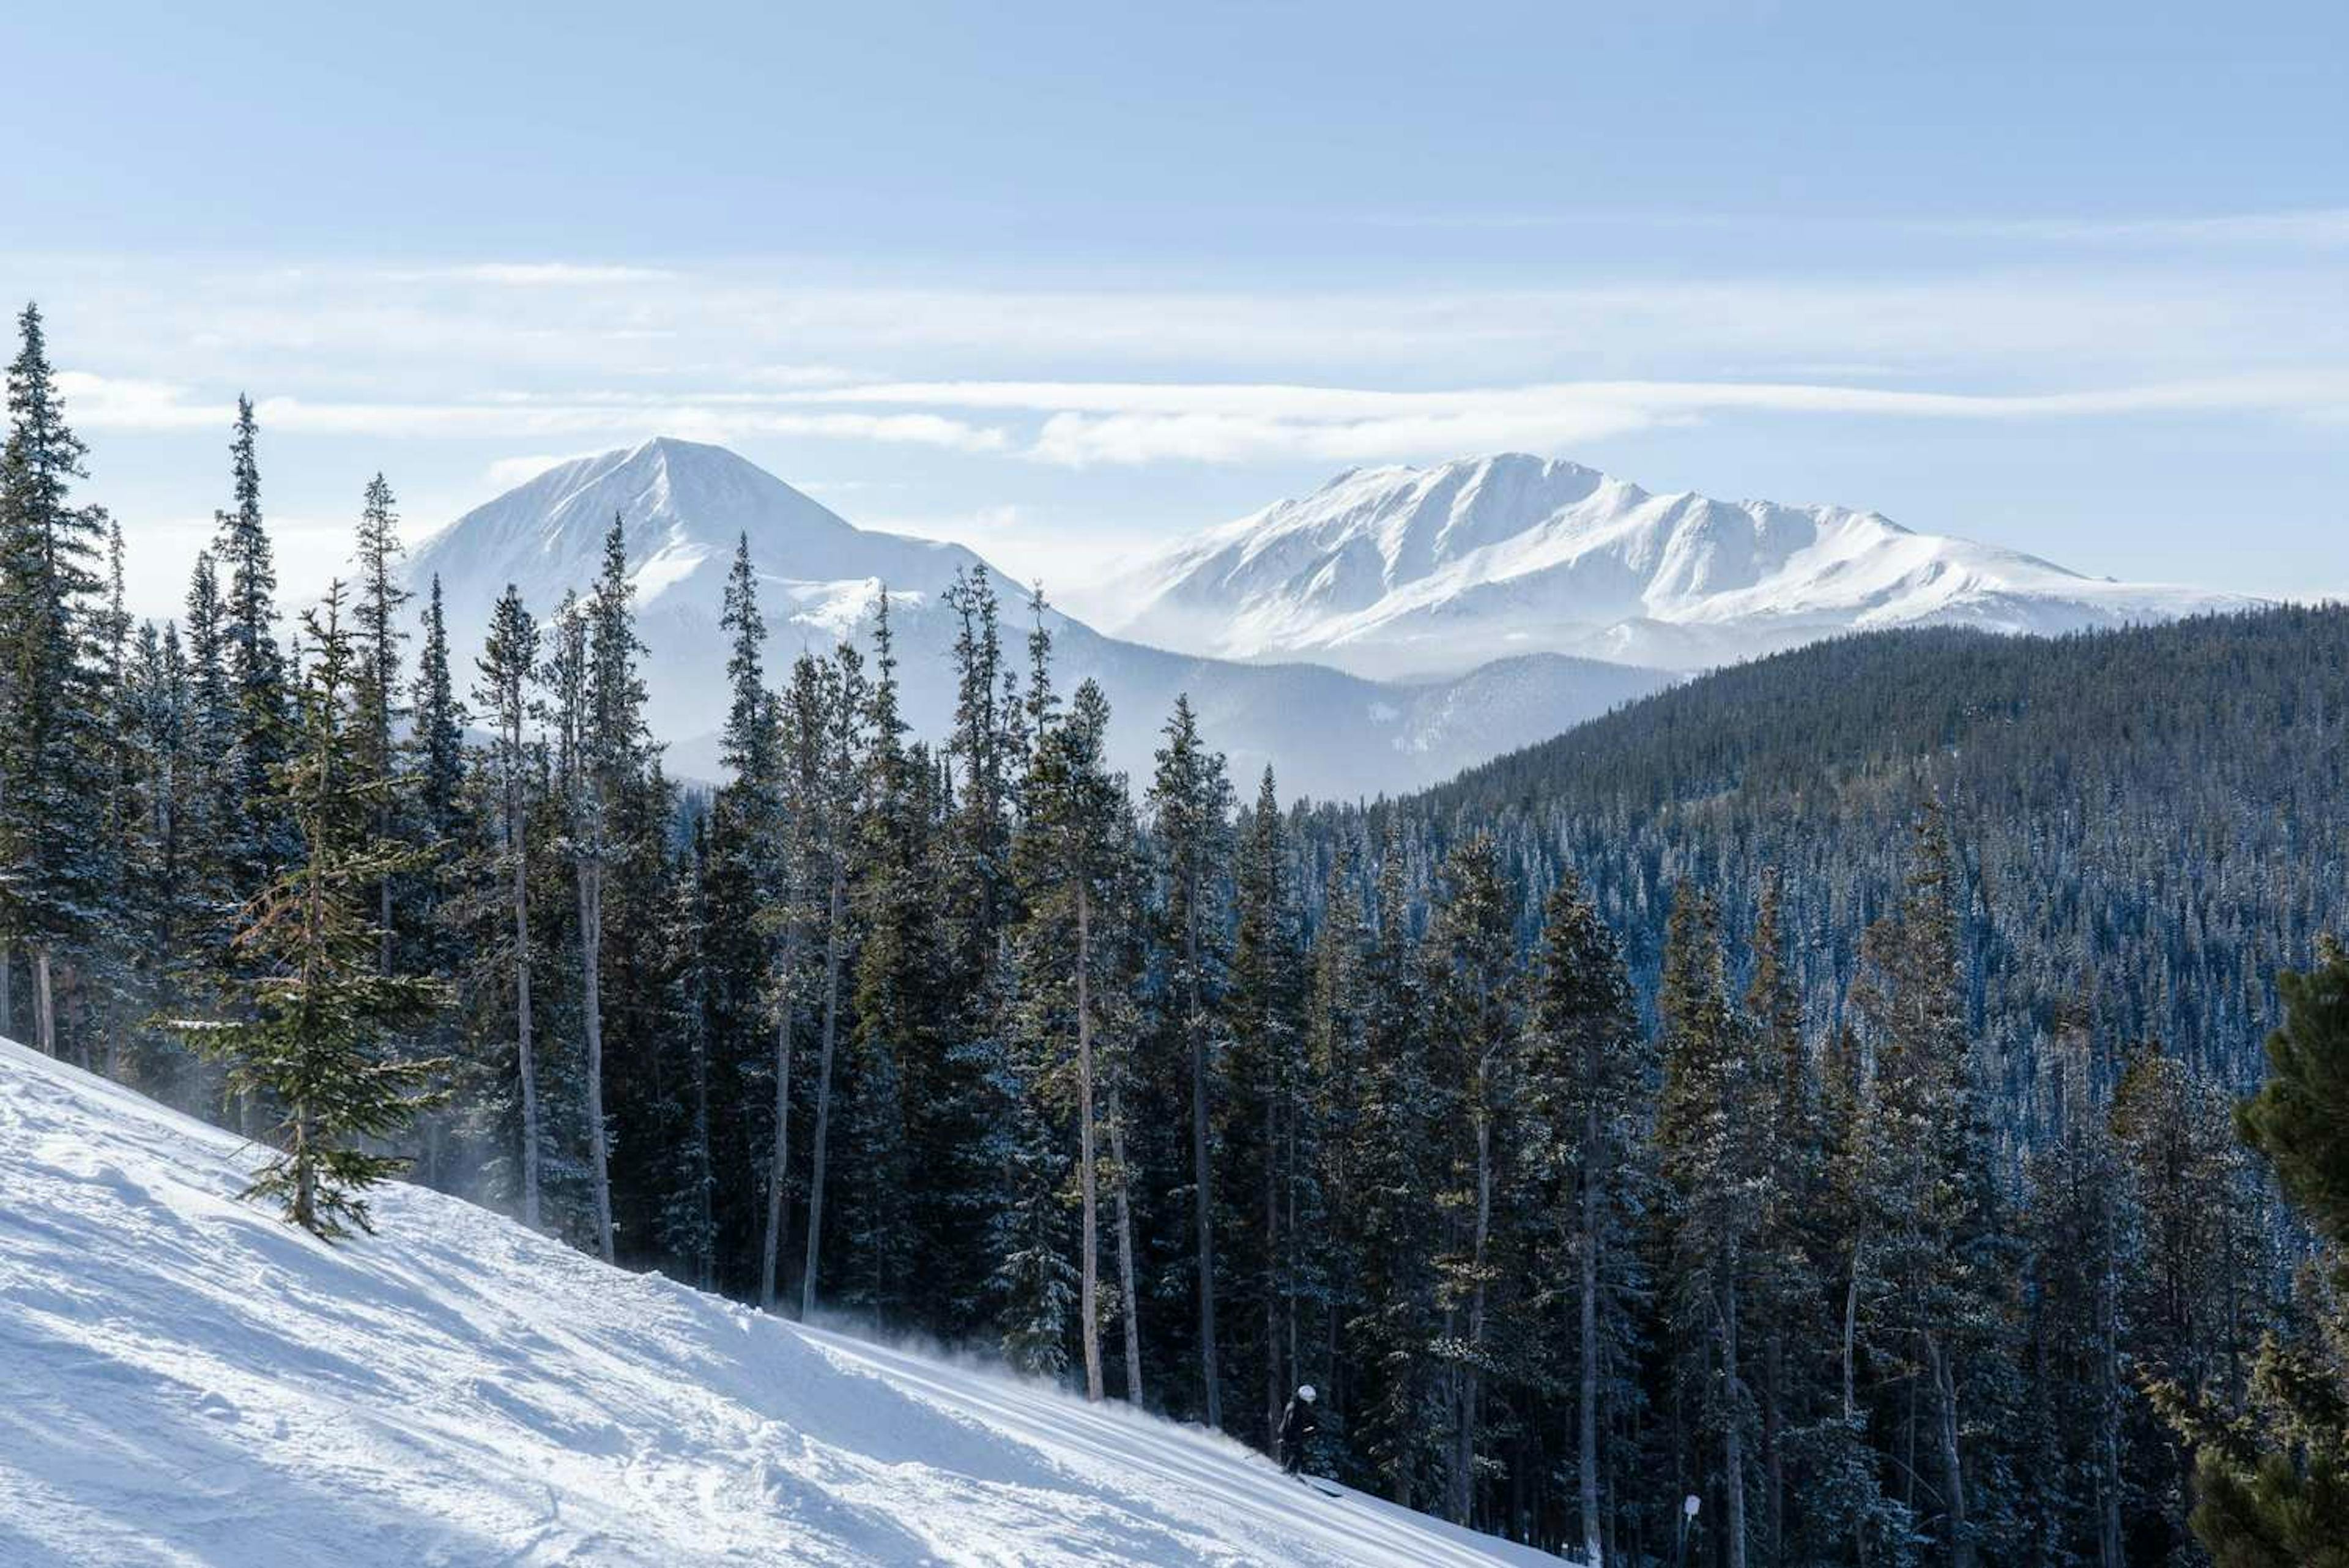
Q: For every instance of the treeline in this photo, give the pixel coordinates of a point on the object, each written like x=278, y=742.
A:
x=1183, y=1102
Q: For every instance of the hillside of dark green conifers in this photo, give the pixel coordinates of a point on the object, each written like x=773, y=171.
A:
x=2150, y=821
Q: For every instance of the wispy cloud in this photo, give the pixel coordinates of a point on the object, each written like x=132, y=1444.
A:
x=1129, y=423
x=2318, y=228
x=537, y=274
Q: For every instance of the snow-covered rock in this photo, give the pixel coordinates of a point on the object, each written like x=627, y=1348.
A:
x=1402, y=572
x=1331, y=735
x=189, y=1381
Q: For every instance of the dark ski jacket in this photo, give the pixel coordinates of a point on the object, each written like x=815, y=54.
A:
x=1298, y=1424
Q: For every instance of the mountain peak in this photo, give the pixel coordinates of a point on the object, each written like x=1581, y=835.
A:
x=1425, y=572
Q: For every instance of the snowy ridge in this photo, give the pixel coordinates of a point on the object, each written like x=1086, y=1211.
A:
x=1329, y=734
x=191, y=1381
x=1400, y=572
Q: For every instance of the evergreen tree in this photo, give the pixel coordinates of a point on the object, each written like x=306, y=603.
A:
x=319, y=1012
x=1396, y=1419
x=1709, y=1121
x=376, y=617
x=1264, y=1008
x=2272, y=1488
x=1476, y=1036
x=1594, y=1070
x=1067, y=860
x=841, y=713
x=52, y=739
x=256, y=830
x=1190, y=801
x=503, y=694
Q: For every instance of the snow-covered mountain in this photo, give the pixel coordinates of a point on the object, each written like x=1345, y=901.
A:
x=190, y=1381
x=1405, y=572
x=1329, y=734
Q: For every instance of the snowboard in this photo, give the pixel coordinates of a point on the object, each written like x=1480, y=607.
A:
x=1326, y=1488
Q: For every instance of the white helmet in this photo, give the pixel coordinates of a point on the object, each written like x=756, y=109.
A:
x=1305, y=1392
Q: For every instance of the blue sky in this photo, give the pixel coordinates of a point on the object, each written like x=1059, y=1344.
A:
x=1063, y=280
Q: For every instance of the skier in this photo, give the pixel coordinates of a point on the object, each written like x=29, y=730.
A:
x=1296, y=1429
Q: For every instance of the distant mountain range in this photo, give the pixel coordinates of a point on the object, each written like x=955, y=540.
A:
x=1425, y=572
x=1331, y=734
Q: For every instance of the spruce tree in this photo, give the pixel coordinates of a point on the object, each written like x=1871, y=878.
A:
x=506, y=668
x=318, y=1017
x=1474, y=1042
x=1190, y=800
x=1396, y=1420
x=375, y=617
x=52, y=742
x=2272, y=1488
x=1594, y=1072
x=1067, y=860
x=1264, y=1010
x=256, y=829
x=844, y=706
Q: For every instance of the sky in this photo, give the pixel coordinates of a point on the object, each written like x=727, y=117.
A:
x=1063, y=282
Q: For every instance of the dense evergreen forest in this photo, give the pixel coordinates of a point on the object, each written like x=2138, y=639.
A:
x=1811, y=1092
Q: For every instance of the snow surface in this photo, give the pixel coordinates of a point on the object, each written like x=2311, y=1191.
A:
x=1401, y=573
x=189, y=1381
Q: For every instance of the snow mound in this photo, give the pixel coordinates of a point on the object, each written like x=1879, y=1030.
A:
x=190, y=1381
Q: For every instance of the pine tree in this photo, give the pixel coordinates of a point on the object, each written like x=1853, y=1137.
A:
x=1397, y=1419
x=1190, y=800
x=1476, y=1036
x=893, y=1037
x=1933, y=1230
x=52, y=744
x=1264, y=1008
x=506, y=668
x=605, y=754
x=256, y=838
x=1594, y=1070
x=319, y=1013
x=2273, y=1487
x=1067, y=860
x=376, y=616
x=844, y=708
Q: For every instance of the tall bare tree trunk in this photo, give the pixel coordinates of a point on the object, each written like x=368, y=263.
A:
x=45, y=1015
x=1953, y=1473
x=1774, y=1447
x=1733, y=1443
x=591, y=985
x=1587, y=1419
x=8, y=989
x=1463, y=1482
x=530, y=1153
x=1128, y=1294
x=1202, y=1200
x=1088, y=1174
x=836, y=914
x=1276, y=1388
x=778, y=1169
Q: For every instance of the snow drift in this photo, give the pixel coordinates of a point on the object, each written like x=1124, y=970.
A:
x=190, y=1381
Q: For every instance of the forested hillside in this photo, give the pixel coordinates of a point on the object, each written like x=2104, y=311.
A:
x=1806, y=1091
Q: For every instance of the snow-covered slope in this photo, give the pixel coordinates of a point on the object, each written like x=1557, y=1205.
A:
x=1331, y=735
x=185, y=1380
x=1411, y=571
